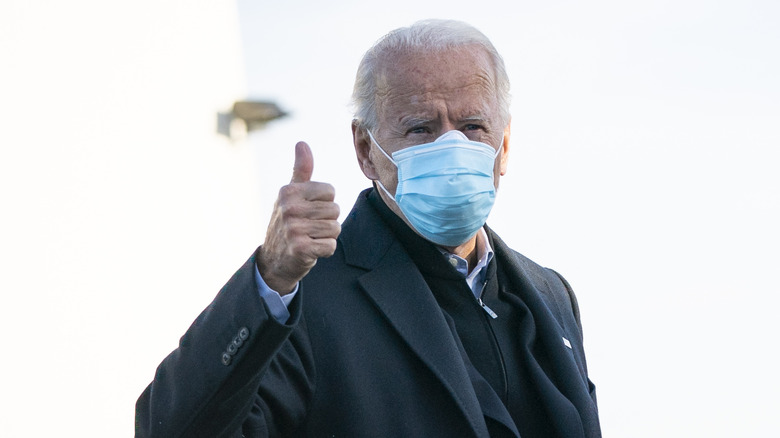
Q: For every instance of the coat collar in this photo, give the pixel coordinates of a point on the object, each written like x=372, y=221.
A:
x=407, y=303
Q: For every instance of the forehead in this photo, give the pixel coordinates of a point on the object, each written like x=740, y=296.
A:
x=452, y=80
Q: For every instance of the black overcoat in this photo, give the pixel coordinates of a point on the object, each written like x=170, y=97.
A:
x=367, y=352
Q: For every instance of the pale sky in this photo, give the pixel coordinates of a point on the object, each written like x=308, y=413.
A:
x=643, y=168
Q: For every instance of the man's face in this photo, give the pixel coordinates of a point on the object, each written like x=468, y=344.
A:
x=424, y=95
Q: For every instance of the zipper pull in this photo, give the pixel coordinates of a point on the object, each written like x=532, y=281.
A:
x=487, y=309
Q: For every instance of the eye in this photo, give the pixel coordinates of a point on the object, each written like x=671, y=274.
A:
x=418, y=130
x=472, y=127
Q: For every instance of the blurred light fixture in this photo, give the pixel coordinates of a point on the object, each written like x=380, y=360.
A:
x=247, y=116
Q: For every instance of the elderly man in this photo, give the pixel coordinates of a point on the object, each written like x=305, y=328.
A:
x=411, y=319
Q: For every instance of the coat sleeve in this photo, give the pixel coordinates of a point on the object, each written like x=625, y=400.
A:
x=213, y=385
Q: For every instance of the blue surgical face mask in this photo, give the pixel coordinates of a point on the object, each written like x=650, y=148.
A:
x=445, y=188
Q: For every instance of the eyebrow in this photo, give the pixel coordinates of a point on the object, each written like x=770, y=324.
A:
x=474, y=119
x=411, y=121
x=416, y=121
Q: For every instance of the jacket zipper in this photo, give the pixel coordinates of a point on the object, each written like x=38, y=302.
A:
x=482, y=304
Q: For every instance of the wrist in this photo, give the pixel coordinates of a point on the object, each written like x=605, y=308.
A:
x=267, y=271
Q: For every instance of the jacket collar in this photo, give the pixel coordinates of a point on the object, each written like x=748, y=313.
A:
x=406, y=302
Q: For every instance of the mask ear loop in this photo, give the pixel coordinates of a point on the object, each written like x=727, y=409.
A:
x=500, y=146
x=378, y=182
x=371, y=136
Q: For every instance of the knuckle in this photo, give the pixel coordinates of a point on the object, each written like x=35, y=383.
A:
x=333, y=228
x=296, y=228
x=298, y=247
x=330, y=190
x=330, y=247
x=324, y=191
x=291, y=191
x=286, y=191
x=289, y=209
x=335, y=210
x=293, y=210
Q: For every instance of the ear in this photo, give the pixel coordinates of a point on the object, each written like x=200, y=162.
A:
x=505, y=148
x=362, y=144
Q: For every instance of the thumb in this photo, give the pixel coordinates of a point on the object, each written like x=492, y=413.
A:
x=304, y=163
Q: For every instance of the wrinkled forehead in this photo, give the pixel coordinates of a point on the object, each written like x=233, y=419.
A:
x=410, y=80
x=417, y=71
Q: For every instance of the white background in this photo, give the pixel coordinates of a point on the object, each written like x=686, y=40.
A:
x=643, y=168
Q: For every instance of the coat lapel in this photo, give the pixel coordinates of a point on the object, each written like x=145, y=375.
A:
x=550, y=305
x=548, y=309
x=398, y=290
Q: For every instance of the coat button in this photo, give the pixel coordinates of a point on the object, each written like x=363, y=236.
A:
x=243, y=333
x=232, y=348
x=226, y=359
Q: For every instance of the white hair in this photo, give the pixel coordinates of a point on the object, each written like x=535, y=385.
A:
x=426, y=35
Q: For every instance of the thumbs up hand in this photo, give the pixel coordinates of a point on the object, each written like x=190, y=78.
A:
x=303, y=227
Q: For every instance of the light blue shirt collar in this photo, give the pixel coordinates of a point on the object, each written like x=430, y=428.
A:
x=475, y=279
